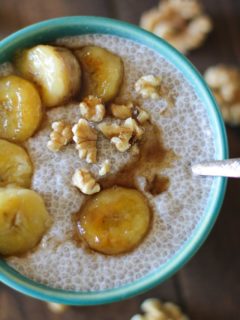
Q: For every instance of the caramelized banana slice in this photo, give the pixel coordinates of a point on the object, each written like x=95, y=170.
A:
x=114, y=221
x=54, y=69
x=15, y=165
x=102, y=72
x=20, y=108
x=23, y=220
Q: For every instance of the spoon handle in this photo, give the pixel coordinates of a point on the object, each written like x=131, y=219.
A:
x=221, y=168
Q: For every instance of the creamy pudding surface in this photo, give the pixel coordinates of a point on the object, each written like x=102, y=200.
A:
x=59, y=261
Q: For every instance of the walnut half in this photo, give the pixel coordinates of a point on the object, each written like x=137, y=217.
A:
x=127, y=110
x=148, y=86
x=180, y=22
x=84, y=181
x=85, y=138
x=154, y=309
x=118, y=135
x=121, y=134
x=92, y=109
x=60, y=136
x=225, y=84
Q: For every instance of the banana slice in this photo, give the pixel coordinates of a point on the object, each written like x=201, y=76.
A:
x=23, y=220
x=114, y=221
x=15, y=165
x=54, y=69
x=102, y=72
x=20, y=108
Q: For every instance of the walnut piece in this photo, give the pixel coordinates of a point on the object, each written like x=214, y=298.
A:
x=225, y=84
x=136, y=130
x=85, y=138
x=141, y=115
x=92, y=109
x=121, y=143
x=85, y=182
x=56, y=307
x=156, y=310
x=120, y=134
x=180, y=22
x=105, y=168
x=148, y=86
x=122, y=111
x=60, y=136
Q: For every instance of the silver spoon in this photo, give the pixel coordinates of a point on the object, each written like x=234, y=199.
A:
x=221, y=168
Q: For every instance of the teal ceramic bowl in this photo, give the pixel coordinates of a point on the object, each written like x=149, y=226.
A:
x=49, y=30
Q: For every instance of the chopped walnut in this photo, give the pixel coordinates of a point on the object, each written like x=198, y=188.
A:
x=156, y=310
x=120, y=135
x=122, y=111
x=60, y=136
x=142, y=115
x=85, y=138
x=56, y=307
x=110, y=130
x=92, y=109
x=149, y=86
x=105, y=168
x=137, y=131
x=84, y=181
x=180, y=22
x=121, y=143
x=225, y=84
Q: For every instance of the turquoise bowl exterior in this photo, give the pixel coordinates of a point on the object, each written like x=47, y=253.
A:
x=49, y=30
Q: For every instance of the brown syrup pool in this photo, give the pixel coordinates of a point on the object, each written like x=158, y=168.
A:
x=152, y=158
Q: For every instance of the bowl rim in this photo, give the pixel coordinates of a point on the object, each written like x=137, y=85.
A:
x=92, y=24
